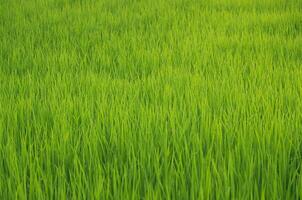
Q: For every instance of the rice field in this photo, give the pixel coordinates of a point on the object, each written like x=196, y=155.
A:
x=150, y=99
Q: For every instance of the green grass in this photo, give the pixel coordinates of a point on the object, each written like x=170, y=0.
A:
x=150, y=99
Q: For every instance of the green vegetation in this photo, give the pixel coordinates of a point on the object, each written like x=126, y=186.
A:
x=150, y=99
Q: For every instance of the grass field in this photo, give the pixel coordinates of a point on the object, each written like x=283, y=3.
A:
x=150, y=99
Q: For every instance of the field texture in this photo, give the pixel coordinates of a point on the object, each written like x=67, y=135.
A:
x=150, y=99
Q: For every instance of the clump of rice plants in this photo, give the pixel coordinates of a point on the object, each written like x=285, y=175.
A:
x=150, y=99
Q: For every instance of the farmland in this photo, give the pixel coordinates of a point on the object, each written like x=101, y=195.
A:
x=150, y=99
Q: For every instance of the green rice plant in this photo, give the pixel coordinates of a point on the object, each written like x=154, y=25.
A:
x=150, y=99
